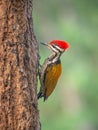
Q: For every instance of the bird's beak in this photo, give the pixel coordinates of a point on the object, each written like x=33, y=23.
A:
x=46, y=44
x=43, y=43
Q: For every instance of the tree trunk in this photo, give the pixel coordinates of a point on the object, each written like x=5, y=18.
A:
x=18, y=67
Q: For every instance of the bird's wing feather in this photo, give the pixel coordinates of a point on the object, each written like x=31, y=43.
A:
x=53, y=72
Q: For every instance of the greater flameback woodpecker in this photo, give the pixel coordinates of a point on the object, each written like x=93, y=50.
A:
x=51, y=69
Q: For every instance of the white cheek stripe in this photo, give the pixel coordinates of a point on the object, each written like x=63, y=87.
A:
x=55, y=48
x=58, y=48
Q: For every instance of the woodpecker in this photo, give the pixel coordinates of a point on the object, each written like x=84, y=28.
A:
x=51, y=69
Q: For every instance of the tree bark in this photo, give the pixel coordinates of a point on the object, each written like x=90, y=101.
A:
x=18, y=67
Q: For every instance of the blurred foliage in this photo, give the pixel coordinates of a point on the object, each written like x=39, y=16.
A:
x=74, y=103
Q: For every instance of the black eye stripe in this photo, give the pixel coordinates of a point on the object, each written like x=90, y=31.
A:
x=56, y=47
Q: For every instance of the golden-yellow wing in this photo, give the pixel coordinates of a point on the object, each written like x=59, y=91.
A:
x=52, y=74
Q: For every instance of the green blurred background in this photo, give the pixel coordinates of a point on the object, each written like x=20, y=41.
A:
x=74, y=103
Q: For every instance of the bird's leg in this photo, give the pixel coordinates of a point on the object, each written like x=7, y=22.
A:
x=39, y=69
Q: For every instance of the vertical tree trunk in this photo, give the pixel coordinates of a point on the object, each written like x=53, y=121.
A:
x=18, y=67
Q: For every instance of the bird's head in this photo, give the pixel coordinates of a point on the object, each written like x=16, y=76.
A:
x=57, y=46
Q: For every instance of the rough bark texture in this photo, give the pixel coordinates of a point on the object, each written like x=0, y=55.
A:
x=18, y=67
